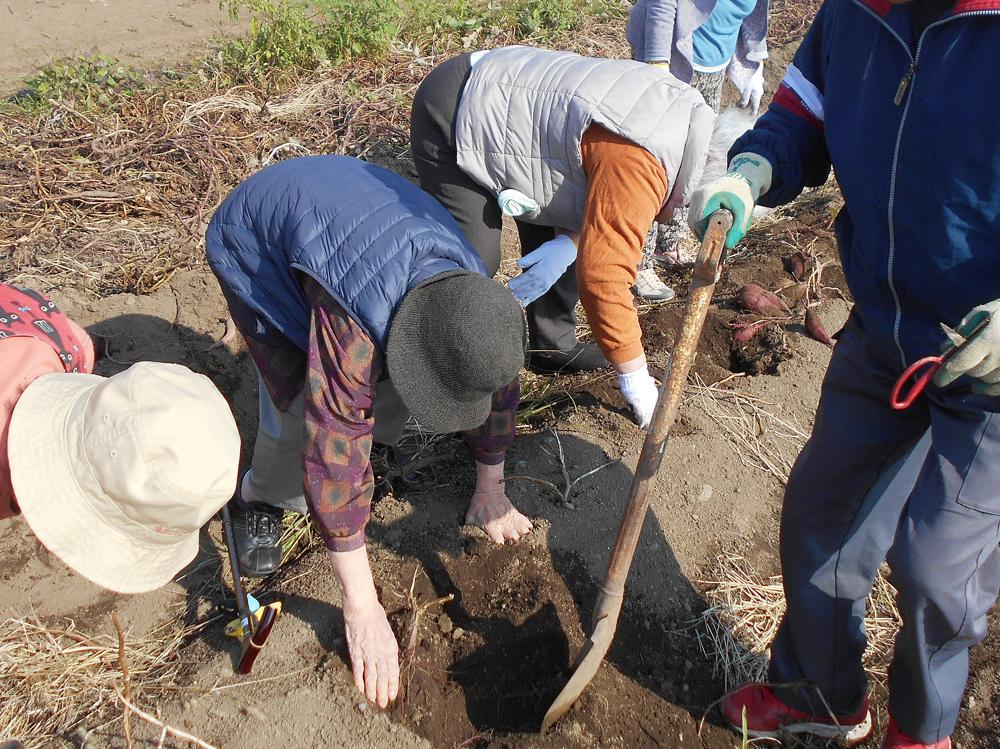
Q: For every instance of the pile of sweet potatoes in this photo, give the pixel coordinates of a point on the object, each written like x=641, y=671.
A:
x=804, y=289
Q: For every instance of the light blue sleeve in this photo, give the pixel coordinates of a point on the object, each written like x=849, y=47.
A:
x=715, y=40
x=651, y=28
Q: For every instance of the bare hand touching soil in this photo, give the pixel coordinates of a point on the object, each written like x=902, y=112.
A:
x=371, y=643
x=374, y=653
x=491, y=510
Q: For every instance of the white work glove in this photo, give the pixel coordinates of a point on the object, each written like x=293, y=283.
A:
x=641, y=392
x=981, y=358
x=749, y=177
x=753, y=90
x=542, y=268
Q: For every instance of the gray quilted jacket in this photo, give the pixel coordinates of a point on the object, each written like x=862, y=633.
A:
x=523, y=113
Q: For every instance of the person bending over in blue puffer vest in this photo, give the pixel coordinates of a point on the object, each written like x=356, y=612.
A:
x=898, y=98
x=361, y=303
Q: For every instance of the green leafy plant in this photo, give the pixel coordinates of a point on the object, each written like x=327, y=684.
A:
x=287, y=34
x=491, y=22
x=86, y=81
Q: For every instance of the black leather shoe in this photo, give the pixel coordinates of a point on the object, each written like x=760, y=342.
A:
x=583, y=357
x=257, y=531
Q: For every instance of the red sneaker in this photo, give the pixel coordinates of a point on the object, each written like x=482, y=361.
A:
x=767, y=716
x=896, y=739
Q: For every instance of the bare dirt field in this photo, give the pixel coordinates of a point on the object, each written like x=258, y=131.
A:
x=141, y=32
x=483, y=667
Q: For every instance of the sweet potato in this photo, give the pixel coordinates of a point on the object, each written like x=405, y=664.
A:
x=745, y=328
x=815, y=328
x=755, y=299
x=797, y=265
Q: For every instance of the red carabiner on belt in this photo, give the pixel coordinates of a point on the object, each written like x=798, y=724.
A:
x=930, y=365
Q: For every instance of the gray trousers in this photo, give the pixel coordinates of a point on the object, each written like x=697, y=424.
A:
x=709, y=85
x=850, y=503
x=275, y=477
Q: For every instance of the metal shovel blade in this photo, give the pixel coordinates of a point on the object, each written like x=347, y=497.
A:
x=609, y=603
x=590, y=658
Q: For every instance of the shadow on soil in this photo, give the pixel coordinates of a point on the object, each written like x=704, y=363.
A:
x=492, y=659
x=497, y=655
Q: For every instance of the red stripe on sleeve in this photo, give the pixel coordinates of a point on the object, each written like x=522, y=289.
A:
x=968, y=6
x=785, y=97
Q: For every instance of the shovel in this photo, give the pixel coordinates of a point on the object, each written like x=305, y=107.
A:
x=609, y=601
x=256, y=625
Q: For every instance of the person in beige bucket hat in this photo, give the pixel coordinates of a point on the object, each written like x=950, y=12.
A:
x=114, y=475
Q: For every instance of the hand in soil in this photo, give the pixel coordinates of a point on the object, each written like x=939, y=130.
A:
x=494, y=513
x=373, y=651
x=490, y=509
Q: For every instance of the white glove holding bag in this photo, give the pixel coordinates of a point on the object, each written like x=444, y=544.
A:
x=641, y=392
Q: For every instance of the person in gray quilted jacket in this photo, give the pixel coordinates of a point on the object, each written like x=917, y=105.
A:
x=560, y=143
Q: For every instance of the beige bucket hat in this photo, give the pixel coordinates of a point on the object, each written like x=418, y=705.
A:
x=116, y=476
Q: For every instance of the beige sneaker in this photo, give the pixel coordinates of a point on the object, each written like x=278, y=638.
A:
x=648, y=285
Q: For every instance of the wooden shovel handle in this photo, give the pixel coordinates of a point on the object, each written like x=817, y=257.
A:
x=706, y=272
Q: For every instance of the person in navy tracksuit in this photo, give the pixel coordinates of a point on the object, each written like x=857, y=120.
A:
x=898, y=97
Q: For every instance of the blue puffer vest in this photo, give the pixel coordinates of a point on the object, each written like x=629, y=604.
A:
x=366, y=234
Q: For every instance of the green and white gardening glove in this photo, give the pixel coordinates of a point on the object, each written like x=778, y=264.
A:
x=981, y=358
x=749, y=177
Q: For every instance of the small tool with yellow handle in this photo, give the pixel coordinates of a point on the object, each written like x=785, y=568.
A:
x=238, y=627
x=255, y=621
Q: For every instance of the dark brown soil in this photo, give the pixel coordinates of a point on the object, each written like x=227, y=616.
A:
x=494, y=658
x=763, y=353
x=660, y=327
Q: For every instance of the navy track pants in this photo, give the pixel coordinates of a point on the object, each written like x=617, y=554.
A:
x=920, y=488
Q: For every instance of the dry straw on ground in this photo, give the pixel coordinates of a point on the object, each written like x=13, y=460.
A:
x=743, y=614
x=55, y=679
x=117, y=198
x=788, y=20
x=762, y=439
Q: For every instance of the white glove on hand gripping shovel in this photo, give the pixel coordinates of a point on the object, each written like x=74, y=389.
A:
x=609, y=602
x=748, y=178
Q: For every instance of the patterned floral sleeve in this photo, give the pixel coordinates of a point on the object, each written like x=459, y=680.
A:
x=489, y=442
x=342, y=365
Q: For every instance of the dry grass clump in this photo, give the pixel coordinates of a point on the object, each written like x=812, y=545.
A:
x=743, y=614
x=762, y=439
x=788, y=20
x=118, y=199
x=56, y=679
